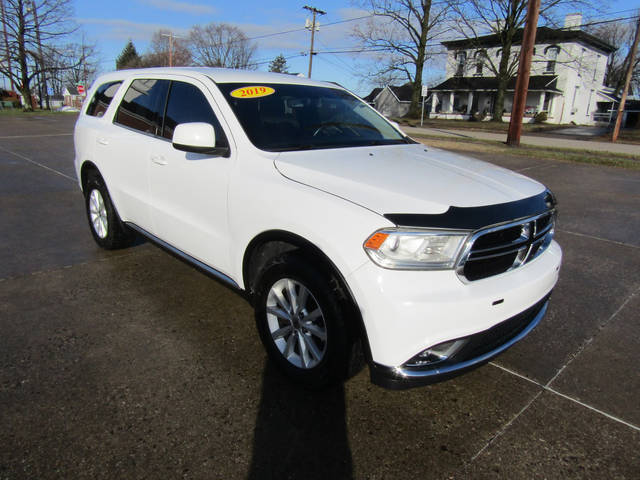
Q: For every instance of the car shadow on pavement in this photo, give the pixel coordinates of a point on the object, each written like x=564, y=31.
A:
x=299, y=433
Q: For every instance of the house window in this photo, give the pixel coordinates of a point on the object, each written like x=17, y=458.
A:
x=574, y=109
x=480, y=56
x=582, y=65
x=461, y=58
x=552, y=56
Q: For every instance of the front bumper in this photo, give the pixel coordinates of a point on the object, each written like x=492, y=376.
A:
x=406, y=312
x=480, y=348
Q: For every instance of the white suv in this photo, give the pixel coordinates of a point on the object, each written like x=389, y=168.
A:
x=339, y=229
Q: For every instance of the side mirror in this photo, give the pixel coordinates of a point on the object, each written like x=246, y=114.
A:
x=197, y=137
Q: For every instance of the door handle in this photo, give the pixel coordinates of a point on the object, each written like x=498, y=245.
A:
x=103, y=141
x=158, y=159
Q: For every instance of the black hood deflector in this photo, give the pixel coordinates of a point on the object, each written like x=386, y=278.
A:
x=473, y=218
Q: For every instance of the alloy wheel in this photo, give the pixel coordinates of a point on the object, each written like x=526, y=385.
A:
x=296, y=323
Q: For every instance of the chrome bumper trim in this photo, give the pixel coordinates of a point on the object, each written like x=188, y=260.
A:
x=417, y=374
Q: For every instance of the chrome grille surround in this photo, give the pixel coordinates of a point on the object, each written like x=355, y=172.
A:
x=505, y=247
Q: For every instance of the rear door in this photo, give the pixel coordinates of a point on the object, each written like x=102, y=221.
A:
x=189, y=190
x=127, y=147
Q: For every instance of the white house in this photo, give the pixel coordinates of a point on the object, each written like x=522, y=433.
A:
x=567, y=75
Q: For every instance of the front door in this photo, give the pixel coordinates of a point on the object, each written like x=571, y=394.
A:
x=189, y=190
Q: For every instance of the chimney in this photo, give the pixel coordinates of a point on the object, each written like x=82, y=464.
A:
x=573, y=21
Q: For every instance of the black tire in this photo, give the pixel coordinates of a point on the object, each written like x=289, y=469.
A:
x=326, y=294
x=116, y=234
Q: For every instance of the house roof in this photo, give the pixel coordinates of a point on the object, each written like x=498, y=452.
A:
x=546, y=83
x=73, y=90
x=374, y=93
x=403, y=93
x=629, y=105
x=543, y=35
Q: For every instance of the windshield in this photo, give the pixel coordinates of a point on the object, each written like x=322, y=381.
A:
x=284, y=117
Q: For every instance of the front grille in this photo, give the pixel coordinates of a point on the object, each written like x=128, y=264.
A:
x=496, y=250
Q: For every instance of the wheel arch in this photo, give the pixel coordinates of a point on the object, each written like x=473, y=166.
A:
x=270, y=244
x=87, y=167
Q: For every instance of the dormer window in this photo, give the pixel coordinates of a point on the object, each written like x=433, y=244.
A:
x=552, y=56
x=461, y=59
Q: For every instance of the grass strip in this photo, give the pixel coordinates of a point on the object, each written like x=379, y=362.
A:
x=620, y=160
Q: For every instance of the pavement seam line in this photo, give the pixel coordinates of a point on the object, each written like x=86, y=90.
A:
x=587, y=342
x=545, y=165
x=547, y=387
x=9, y=137
x=567, y=397
x=504, y=428
x=37, y=163
x=622, y=244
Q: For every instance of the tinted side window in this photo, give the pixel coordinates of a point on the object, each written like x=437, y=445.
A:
x=102, y=98
x=188, y=104
x=143, y=105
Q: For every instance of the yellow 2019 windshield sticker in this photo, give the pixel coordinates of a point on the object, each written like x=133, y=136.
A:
x=252, y=92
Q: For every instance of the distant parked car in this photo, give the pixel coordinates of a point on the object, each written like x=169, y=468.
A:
x=339, y=229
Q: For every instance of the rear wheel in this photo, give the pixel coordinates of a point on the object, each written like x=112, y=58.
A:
x=301, y=321
x=106, y=227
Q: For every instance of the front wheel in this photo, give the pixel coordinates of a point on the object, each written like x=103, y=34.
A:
x=301, y=321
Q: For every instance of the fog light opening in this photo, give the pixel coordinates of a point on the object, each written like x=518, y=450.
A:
x=437, y=354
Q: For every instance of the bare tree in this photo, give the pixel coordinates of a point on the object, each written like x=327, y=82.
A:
x=503, y=19
x=33, y=29
x=221, y=45
x=167, y=48
x=73, y=64
x=402, y=29
x=619, y=35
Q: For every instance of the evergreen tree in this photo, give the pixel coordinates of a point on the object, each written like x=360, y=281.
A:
x=279, y=65
x=128, y=58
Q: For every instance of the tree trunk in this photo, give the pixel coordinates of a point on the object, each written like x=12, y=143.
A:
x=25, y=91
x=503, y=77
x=498, y=104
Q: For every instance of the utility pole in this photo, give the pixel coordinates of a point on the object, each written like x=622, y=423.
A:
x=43, y=73
x=171, y=37
x=313, y=31
x=6, y=44
x=524, y=70
x=627, y=81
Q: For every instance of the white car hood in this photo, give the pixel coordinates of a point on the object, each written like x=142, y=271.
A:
x=405, y=178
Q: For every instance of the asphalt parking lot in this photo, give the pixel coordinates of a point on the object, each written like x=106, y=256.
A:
x=131, y=364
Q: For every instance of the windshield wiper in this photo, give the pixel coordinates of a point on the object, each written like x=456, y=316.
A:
x=292, y=148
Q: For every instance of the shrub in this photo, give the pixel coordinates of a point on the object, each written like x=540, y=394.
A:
x=540, y=117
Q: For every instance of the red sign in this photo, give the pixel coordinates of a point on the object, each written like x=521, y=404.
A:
x=81, y=89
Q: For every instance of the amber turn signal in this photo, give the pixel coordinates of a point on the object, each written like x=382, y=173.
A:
x=376, y=240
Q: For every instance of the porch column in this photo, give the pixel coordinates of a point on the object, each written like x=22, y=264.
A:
x=541, y=102
x=434, y=102
x=469, y=102
x=451, y=102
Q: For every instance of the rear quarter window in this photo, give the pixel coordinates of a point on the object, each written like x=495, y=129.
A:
x=102, y=98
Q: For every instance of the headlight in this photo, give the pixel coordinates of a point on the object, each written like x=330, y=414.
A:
x=415, y=249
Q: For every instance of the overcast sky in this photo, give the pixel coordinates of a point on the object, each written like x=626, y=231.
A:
x=111, y=24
